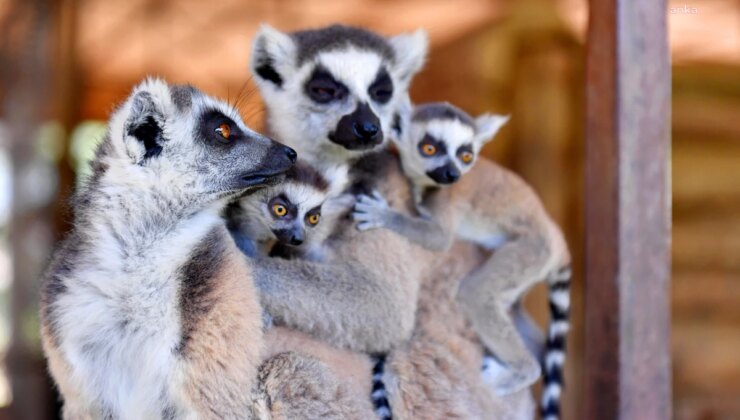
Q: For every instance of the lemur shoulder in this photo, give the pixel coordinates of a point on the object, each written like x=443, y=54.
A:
x=484, y=203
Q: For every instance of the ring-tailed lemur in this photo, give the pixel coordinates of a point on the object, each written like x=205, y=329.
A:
x=331, y=93
x=293, y=218
x=495, y=209
x=148, y=308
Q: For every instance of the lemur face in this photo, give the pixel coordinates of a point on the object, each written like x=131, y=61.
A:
x=443, y=142
x=334, y=90
x=287, y=212
x=290, y=211
x=180, y=137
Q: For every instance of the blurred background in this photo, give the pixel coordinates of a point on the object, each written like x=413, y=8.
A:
x=64, y=64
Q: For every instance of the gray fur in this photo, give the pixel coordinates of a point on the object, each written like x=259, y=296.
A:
x=182, y=96
x=313, y=41
x=441, y=111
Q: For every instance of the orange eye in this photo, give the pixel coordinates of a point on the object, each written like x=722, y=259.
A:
x=429, y=149
x=279, y=210
x=313, y=219
x=466, y=157
x=224, y=131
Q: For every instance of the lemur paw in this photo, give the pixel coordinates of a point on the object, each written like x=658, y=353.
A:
x=370, y=212
x=505, y=380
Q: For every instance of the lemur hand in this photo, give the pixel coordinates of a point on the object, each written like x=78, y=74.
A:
x=371, y=212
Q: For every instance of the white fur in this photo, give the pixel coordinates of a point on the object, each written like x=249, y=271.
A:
x=305, y=125
x=103, y=296
x=553, y=359
x=561, y=298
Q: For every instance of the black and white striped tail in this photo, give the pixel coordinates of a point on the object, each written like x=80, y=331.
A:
x=559, y=296
x=379, y=394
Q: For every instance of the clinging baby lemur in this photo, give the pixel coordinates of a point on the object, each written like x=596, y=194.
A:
x=491, y=206
x=148, y=308
x=292, y=218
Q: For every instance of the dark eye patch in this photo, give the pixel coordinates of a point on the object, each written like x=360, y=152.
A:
x=283, y=200
x=213, y=119
x=438, y=144
x=323, y=88
x=381, y=90
x=465, y=148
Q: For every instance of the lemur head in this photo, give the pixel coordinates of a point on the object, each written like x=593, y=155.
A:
x=175, y=137
x=331, y=92
x=441, y=142
x=289, y=212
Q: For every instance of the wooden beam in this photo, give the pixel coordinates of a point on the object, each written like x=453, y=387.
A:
x=627, y=364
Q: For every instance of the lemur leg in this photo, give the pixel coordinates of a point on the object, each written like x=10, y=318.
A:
x=532, y=334
x=486, y=297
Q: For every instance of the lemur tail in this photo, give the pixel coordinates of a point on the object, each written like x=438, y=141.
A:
x=379, y=394
x=559, y=295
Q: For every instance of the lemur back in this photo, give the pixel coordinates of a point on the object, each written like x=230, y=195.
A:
x=488, y=205
x=148, y=309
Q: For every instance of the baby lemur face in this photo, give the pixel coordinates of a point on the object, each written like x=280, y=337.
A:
x=290, y=211
x=442, y=142
x=334, y=89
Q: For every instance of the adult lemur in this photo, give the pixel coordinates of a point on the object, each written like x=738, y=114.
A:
x=494, y=208
x=148, y=308
x=331, y=93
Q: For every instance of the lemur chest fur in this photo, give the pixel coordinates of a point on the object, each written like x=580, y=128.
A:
x=463, y=220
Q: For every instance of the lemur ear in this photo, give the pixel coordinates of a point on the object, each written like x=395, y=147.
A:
x=410, y=52
x=487, y=125
x=402, y=120
x=144, y=125
x=273, y=56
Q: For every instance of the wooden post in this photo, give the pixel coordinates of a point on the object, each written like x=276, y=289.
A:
x=627, y=363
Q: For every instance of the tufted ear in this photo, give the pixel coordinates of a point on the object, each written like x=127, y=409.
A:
x=487, y=125
x=273, y=56
x=410, y=53
x=142, y=129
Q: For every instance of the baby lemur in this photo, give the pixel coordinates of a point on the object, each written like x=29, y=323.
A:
x=493, y=208
x=148, y=308
x=291, y=219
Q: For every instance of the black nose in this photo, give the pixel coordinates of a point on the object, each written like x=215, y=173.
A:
x=358, y=130
x=296, y=240
x=365, y=130
x=446, y=174
x=292, y=155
